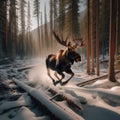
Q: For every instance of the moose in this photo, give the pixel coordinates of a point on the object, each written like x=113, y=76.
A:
x=62, y=61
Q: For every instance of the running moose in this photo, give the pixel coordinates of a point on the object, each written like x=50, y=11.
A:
x=62, y=61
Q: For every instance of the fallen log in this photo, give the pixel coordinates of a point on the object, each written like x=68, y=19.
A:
x=70, y=100
x=93, y=80
x=56, y=110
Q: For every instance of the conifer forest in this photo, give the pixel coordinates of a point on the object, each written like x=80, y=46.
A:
x=67, y=46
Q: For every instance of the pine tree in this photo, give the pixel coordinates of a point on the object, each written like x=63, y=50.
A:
x=118, y=29
x=72, y=18
x=42, y=32
x=12, y=42
x=104, y=26
x=55, y=13
x=6, y=27
x=61, y=15
x=37, y=14
x=22, y=25
x=93, y=36
x=111, y=72
x=51, y=17
x=47, y=43
x=88, y=39
x=3, y=30
x=97, y=38
x=28, y=43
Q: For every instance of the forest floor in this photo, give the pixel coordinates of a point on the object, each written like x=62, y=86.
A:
x=97, y=100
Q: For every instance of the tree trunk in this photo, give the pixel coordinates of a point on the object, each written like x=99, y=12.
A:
x=88, y=41
x=51, y=22
x=39, y=33
x=42, y=38
x=111, y=73
x=6, y=27
x=97, y=38
x=47, y=40
x=118, y=28
x=93, y=36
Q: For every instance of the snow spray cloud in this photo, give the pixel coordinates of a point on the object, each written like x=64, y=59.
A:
x=38, y=75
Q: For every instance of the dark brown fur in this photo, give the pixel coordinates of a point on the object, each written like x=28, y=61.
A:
x=61, y=62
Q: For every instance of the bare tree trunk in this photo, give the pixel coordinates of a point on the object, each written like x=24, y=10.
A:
x=88, y=41
x=22, y=38
x=42, y=31
x=15, y=29
x=93, y=36
x=6, y=27
x=118, y=28
x=111, y=73
x=51, y=19
x=47, y=42
x=39, y=34
x=97, y=38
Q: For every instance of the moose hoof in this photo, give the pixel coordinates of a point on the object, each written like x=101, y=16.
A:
x=55, y=82
x=64, y=83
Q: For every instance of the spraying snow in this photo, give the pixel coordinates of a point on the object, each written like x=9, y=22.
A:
x=38, y=76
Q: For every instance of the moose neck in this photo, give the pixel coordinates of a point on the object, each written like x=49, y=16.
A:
x=67, y=55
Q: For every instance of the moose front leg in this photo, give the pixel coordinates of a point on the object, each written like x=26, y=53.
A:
x=69, y=71
x=62, y=76
x=56, y=82
x=59, y=80
x=48, y=72
x=60, y=72
x=56, y=75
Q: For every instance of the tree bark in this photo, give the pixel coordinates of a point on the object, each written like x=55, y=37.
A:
x=88, y=41
x=97, y=38
x=93, y=36
x=111, y=73
x=118, y=28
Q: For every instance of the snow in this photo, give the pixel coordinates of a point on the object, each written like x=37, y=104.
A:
x=24, y=100
x=22, y=114
x=115, y=89
x=102, y=97
x=43, y=98
x=103, y=84
x=99, y=100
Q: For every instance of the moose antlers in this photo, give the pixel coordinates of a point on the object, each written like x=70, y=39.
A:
x=61, y=40
x=79, y=43
x=65, y=42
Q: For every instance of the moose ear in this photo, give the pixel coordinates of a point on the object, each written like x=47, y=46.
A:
x=69, y=44
x=69, y=48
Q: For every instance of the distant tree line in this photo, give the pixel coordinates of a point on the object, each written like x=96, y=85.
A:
x=63, y=17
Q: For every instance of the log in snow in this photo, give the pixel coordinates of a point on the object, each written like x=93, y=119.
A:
x=56, y=110
x=83, y=83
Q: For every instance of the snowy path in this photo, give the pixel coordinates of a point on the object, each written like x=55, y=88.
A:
x=97, y=101
x=55, y=108
x=16, y=104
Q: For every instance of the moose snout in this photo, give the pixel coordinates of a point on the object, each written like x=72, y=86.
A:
x=78, y=59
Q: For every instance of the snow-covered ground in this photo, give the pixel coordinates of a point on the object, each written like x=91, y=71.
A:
x=99, y=100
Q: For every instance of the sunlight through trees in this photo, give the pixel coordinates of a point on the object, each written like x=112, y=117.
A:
x=90, y=20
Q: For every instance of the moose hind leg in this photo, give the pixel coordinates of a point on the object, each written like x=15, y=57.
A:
x=69, y=71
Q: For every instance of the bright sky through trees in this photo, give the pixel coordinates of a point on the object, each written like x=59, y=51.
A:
x=42, y=4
